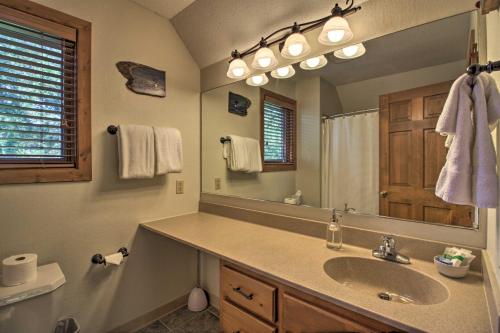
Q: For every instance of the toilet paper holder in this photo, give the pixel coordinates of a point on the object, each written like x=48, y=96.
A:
x=99, y=258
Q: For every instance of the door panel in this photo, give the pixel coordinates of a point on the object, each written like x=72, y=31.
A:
x=400, y=158
x=412, y=155
x=434, y=157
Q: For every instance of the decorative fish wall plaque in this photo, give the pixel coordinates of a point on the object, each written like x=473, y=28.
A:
x=238, y=104
x=143, y=79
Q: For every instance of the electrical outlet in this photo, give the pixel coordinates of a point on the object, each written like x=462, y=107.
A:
x=217, y=184
x=179, y=187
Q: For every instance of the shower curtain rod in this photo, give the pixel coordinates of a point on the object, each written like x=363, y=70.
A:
x=350, y=113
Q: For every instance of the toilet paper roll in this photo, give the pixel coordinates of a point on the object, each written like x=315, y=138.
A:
x=114, y=259
x=19, y=269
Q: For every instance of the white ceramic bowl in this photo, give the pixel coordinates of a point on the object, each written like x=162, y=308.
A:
x=450, y=271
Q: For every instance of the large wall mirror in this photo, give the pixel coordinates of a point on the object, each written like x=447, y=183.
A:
x=356, y=134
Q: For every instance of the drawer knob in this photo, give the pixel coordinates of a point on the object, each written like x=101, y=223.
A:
x=248, y=296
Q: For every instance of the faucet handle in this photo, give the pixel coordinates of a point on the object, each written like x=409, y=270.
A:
x=388, y=241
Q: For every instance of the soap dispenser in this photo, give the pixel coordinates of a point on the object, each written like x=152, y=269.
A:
x=334, y=232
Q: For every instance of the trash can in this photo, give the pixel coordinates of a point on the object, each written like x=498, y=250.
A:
x=67, y=325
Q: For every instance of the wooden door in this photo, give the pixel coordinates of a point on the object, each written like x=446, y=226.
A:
x=412, y=155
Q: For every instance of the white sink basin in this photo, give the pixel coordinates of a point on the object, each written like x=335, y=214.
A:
x=386, y=280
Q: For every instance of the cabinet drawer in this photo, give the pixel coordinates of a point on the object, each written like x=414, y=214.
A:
x=300, y=316
x=251, y=294
x=234, y=320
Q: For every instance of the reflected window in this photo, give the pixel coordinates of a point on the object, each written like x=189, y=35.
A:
x=278, y=131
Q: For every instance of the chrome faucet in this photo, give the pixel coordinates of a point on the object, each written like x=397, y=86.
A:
x=387, y=251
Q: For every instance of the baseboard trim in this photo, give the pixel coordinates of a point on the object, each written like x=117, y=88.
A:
x=151, y=316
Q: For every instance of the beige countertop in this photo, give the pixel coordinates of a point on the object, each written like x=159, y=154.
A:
x=297, y=260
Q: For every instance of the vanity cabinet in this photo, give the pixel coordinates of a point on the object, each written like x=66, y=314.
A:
x=251, y=303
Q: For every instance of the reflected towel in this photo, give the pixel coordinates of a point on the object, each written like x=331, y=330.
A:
x=242, y=154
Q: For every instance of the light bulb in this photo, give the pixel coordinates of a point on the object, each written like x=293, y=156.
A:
x=283, y=71
x=335, y=36
x=313, y=62
x=264, y=62
x=350, y=50
x=295, y=49
x=257, y=79
x=238, y=71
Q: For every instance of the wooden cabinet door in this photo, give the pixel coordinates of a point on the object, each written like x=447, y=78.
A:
x=412, y=155
x=303, y=317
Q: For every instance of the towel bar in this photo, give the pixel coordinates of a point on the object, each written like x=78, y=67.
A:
x=112, y=129
x=475, y=69
x=224, y=140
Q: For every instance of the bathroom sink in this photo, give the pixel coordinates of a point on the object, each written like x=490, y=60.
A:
x=386, y=280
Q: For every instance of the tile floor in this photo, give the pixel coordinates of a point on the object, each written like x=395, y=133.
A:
x=185, y=321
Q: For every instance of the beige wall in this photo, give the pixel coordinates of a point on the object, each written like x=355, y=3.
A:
x=493, y=232
x=329, y=99
x=69, y=222
x=308, y=176
x=365, y=94
x=217, y=122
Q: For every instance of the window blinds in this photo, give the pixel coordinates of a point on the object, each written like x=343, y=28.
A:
x=37, y=97
x=278, y=133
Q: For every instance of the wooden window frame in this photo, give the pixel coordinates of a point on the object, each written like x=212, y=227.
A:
x=28, y=13
x=283, y=101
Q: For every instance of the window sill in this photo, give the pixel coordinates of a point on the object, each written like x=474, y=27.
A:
x=44, y=175
x=272, y=167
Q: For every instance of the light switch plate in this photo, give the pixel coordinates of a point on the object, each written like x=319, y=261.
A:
x=179, y=187
x=217, y=183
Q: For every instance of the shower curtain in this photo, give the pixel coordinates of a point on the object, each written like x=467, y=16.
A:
x=350, y=163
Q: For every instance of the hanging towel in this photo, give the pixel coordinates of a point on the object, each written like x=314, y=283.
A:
x=254, y=158
x=135, y=151
x=469, y=175
x=168, y=150
x=242, y=154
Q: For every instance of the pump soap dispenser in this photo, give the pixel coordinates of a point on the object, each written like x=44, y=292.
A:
x=334, y=232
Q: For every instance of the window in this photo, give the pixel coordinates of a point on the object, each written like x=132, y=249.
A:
x=44, y=95
x=278, y=127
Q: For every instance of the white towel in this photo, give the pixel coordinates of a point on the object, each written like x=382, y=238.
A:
x=135, y=151
x=242, y=154
x=469, y=175
x=168, y=150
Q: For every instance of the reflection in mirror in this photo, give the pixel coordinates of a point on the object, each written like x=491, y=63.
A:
x=353, y=130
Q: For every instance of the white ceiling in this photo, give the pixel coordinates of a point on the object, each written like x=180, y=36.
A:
x=211, y=29
x=166, y=8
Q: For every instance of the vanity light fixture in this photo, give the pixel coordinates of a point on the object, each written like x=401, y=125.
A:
x=314, y=63
x=238, y=68
x=257, y=80
x=293, y=44
x=264, y=59
x=283, y=72
x=351, y=51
